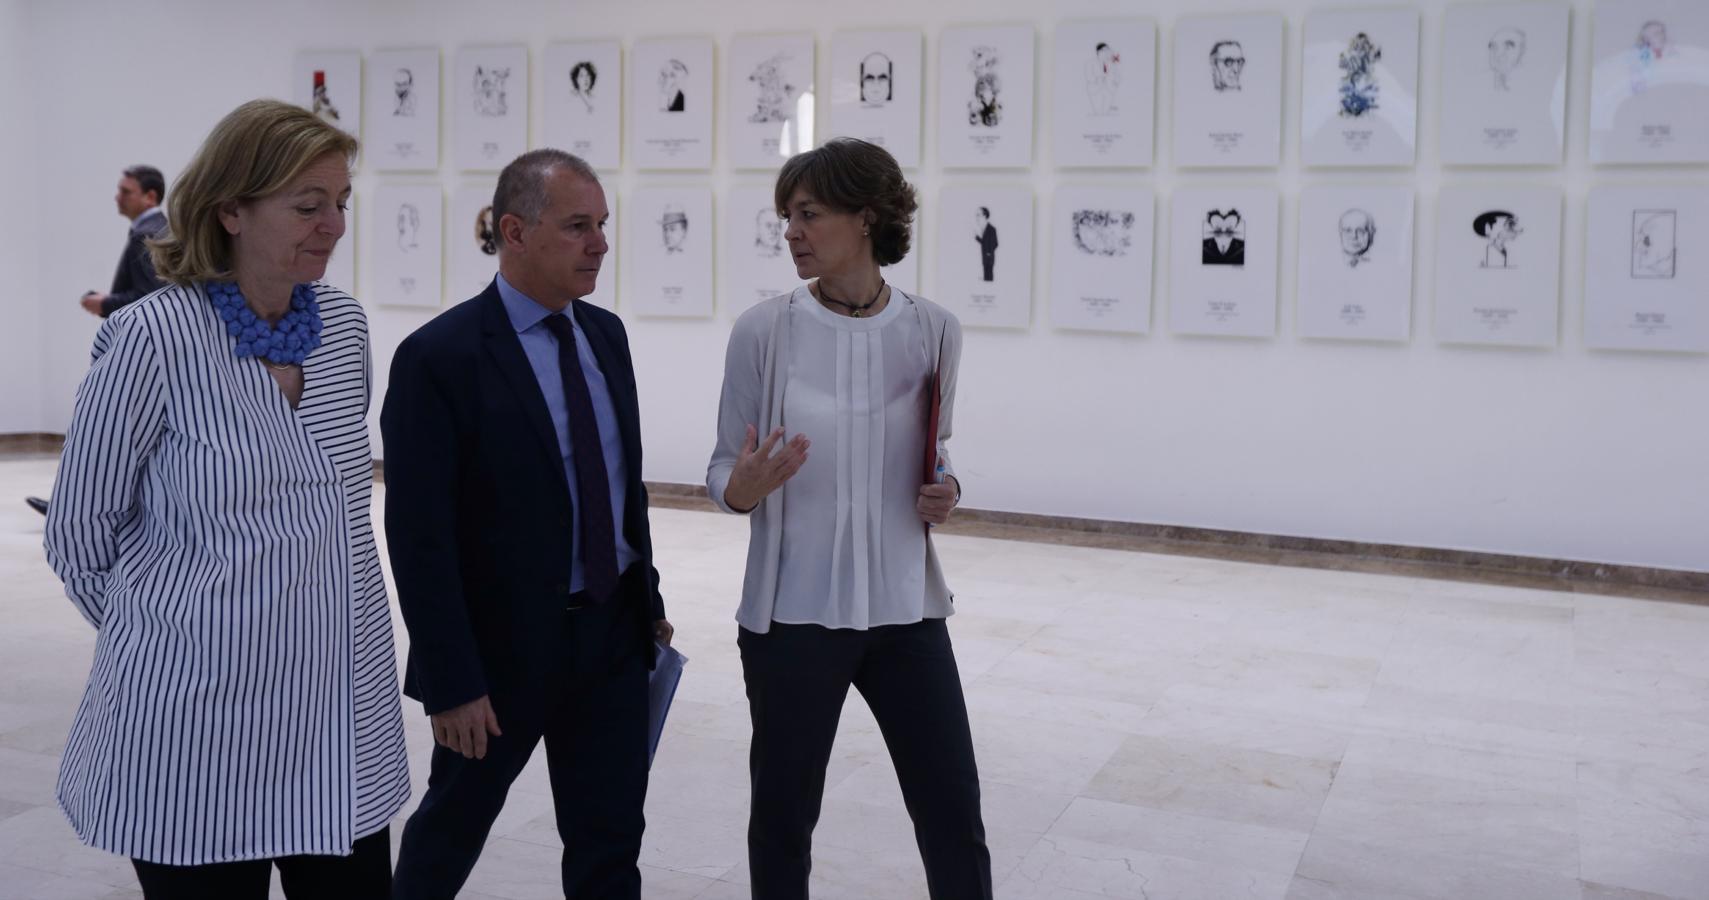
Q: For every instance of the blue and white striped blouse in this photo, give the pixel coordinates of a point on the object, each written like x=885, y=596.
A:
x=243, y=701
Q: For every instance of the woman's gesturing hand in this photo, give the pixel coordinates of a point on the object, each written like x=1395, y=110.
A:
x=759, y=471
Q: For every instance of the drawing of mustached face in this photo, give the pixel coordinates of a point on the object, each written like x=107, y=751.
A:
x=1223, y=225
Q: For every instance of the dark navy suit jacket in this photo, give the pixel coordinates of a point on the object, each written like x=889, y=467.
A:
x=135, y=278
x=478, y=515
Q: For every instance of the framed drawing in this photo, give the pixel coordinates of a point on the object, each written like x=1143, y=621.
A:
x=877, y=80
x=667, y=252
x=406, y=245
x=1228, y=91
x=670, y=103
x=403, y=111
x=985, y=249
x=1355, y=266
x=1504, y=84
x=1359, y=88
x=1222, y=256
x=489, y=109
x=329, y=83
x=1498, y=265
x=985, y=97
x=471, y=241
x=1104, y=112
x=1646, y=287
x=1650, y=83
x=757, y=261
x=1101, y=258
x=768, y=99
x=582, y=84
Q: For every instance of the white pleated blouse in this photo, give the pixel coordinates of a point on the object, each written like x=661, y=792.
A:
x=243, y=699
x=841, y=544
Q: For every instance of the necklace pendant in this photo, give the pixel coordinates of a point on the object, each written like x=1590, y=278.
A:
x=859, y=312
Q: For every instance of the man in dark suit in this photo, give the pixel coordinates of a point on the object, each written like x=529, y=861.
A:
x=986, y=234
x=142, y=189
x=517, y=527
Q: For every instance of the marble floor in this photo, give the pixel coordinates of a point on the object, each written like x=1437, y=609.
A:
x=1147, y=727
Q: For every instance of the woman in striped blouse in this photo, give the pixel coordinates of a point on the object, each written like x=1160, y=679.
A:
x=210, y=519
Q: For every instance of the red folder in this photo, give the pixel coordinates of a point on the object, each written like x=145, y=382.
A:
x=936, y=387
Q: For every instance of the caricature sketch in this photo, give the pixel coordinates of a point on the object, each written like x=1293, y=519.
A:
x=768, y=233
x=583, y=76
x=1506, y=52
x=1654, y=247
x=1103, y=232
x=776, y=96
x=673, y=76
x=1103, y=79
x=1648, y=52
x=1228, y=60
x=1500, y=228
x=409, y=225
x=1224, y=239
x=985, y=109
x=673, y=225
x=403, y=86
x=489, y=90
x=1358, y=233
x=1359, y=77
x=877, y=76
x=485, y=237
x=986, y=235
x=322, y=103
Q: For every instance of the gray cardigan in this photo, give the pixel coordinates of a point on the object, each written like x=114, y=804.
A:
x=755, y=367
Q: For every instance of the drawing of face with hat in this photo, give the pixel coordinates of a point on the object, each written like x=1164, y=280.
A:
x=673, y=226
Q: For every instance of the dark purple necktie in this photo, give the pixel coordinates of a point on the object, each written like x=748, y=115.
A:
x=593, y=484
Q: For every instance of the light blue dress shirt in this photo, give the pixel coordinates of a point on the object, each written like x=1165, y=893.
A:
x=541, y=348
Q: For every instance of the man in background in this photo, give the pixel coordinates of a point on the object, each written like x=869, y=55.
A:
x=141, y=191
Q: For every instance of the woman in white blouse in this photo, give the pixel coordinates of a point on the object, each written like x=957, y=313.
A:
x=210, y=519
x=843, y=587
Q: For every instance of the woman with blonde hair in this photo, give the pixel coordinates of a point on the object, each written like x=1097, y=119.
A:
x=210, y=520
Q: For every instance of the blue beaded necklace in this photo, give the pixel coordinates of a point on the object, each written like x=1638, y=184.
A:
x=285, y=344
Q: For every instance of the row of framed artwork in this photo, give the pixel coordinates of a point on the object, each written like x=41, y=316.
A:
x=1498, y=262
x=1503, y=93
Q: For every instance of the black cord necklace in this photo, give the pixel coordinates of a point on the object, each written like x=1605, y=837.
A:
x=854, y=311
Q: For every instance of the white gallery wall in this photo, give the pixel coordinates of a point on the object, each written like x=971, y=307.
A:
x=1562, y=452
x=22, y=363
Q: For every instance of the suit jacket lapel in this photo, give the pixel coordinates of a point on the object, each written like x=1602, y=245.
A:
x=506, y=352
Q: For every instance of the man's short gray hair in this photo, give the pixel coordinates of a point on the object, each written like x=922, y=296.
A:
x=522, y=185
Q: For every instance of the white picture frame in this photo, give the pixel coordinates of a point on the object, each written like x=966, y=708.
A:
x=985, y=97
x=1223, y=255
x=1355, y=262
x=758, y=264
x=1650, y=82
x=582, y=84
x=1504, y=84
x=769, y=99
x=1646, y=287
x=1105, y=109
x=984, y=262
x=877, y=90
x=489, y=106
x=403, y=111
x=667, y=252
x=329, y=84
x=471, y=241
x=1498, y=265
x=1228, y=91
x=1102, y=239
x=670, y=100
x=406, y=242
x=1359, y=88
